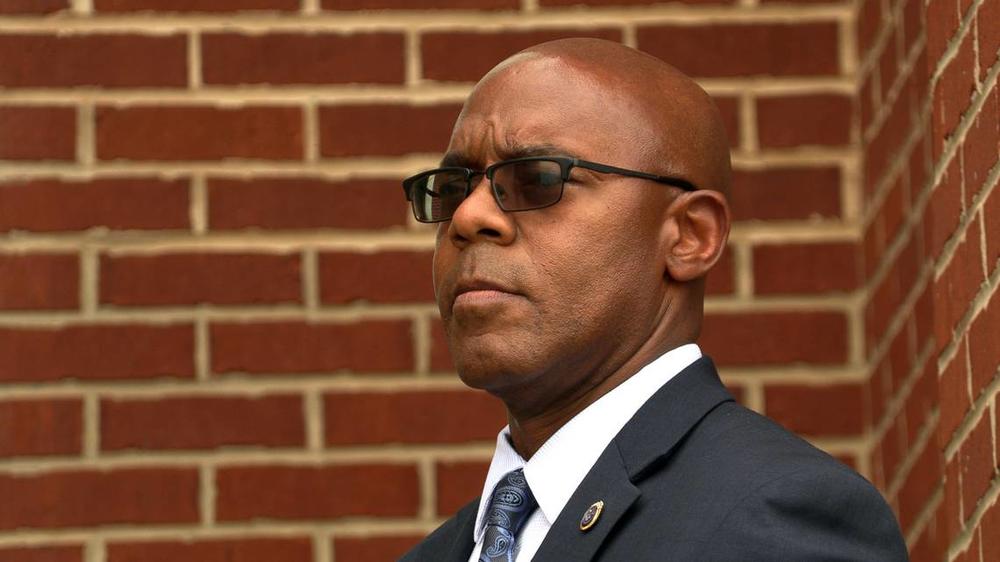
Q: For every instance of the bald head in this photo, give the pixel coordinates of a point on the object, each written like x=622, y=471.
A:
x=680, y=129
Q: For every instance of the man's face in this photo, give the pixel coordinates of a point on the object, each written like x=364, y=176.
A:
x=538, y=303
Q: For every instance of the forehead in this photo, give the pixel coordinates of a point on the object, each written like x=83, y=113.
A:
x=546, y=102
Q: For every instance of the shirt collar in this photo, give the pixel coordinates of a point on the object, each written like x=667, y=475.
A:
x=562, y=462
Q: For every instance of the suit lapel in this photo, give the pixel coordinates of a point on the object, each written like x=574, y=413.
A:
x=646, y=440
x=461, y=547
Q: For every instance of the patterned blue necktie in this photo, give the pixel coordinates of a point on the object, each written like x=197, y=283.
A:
x=509, y=508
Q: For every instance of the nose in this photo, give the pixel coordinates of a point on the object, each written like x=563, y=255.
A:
x=480, y=219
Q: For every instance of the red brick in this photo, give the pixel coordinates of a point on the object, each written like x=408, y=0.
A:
x=923, y=399
x=297, y=347
x=888, y=142
x=458, y=482
x=793, y=121
x=721, y=280
x=929, y=546
x=913, y=23
x=942, y=23
x=869, y=22
x=920, y=484
x=124, y=496
x=991, y=214
x=37, y=132
x=400, y=276
x=39, y=281
x=128, y=203
x=988, y=36
x=729, y=108
x=946, y=207
x=545, y=3
x=305, y=203
x=868, y=103
x=952, y=497
x=805, y=268
x=888, y=62
x=419, y=4
x=440, y=355
x=195, y=278
x=957, y=285
x=50, y=426
x=316, y=492
x=82, y=352
x=199, y=133
x=437, y=416
x=954, y=89
x=733, y=49
x=194, y=5
x=219, y=550
x=976, y=462
x=891, y=449
x=776, y=337
x=991, y=532
x=981, y=147
x=303, y=58
x=41, y=554
x=816, y=410
x=372, y=549
x=465, y=56
x=954, y=392
x=32, y=7
x=785, y=194
x=117, y=60
x=385, y=130
x=983, y=350
x=202, y=422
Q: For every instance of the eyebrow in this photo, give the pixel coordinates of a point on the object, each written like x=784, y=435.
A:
x=459, y=159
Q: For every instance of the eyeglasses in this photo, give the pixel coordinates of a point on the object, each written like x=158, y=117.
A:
x=521, y=184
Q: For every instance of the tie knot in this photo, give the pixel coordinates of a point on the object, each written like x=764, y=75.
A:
x=511, y=502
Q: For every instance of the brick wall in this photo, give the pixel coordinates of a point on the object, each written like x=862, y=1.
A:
x=217, y=332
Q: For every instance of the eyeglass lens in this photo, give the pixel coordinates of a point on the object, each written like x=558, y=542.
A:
x=518, y=186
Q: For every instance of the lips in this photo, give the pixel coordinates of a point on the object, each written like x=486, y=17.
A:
x=482, y=291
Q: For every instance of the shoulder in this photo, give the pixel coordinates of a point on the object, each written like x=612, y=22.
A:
x=789, y=500
x=453, y=533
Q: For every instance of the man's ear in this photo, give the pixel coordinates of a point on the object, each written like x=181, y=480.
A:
x=695, y=233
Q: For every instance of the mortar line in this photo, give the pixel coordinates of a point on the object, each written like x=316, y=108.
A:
x=95, y=550
x=207, y=495
x=310, y=8
x=899, y=400
x=979, y=408
x=322, y=550
x=926, y=515
x=743, y=269
x=194, y=60
x=421, y=338
x=630, y=36
x=748, y=123
x=428, y=489
x=198, y=209
x=91, y=438
x=313, y=418
x=955, y=42
x=889, y=93
x=310, y=279
x=82, y=7
x=925, y=438
x=310, y=131
x=529, y=6
x=89, y=281
x=85, y=140
x=202, y=349
x=971, y=525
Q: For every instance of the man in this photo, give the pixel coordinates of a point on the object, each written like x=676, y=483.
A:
x=581, y=203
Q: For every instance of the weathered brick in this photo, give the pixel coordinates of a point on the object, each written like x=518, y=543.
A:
x=954, y=90
x=988, y=36
x=395, y=276
x=120, y=204
x=954, y=395
x=921, y=482
x=199, y=133
x=991, y=213
x=465, y=56
x=836, y=409
x=984, y=354
x=942, y=23
x=458, y=482
x=297, y=347
x=195, y=278
x=794, y=121
x=83, y=352
x=721, y=49
x=776, y=337
x=194, y=5
x=955, y=287
x=981, y=147
x=39, y=281
x=214, y=550
x=32, y=132
x=125, y=496
x=305, y=203
x=420, y=4
x=975, y=461
x=44, y=426
x=118, y=60
x=316, y=492
x=32, y=7
x=785, y=193
x=435, y=416
x=947, y=204
x=373, y=548
x=805, y=268
x=303, y=58
x=385, y=130
x=41, y=554
x=202, y=422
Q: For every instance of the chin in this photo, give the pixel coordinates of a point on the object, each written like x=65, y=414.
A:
x=493, y=368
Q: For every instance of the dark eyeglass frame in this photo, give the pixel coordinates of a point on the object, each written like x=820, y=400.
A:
x=566, y=164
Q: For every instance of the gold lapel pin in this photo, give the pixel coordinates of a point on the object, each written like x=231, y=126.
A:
x=591, y=515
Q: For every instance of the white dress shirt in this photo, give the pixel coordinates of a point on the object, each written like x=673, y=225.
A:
x=559, y=466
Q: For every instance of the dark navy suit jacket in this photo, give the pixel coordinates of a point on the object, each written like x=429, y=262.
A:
x=693, y=476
